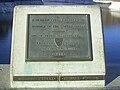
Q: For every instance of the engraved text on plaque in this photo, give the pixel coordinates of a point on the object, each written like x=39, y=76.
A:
x=58, y=37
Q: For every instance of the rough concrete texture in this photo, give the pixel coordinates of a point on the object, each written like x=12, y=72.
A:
x=112, y=85
x=4, y=76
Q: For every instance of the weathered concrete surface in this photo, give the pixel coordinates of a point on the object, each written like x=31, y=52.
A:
x=112, y=80
x=4, y=75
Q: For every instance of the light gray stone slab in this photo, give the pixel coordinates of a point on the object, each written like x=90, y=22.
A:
x=5, y=75
x=56, y=74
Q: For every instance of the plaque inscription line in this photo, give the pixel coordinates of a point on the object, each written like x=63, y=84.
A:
x=59, y=78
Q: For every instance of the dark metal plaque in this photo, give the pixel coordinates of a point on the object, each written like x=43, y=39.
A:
x=58, y=78
x=58, y=37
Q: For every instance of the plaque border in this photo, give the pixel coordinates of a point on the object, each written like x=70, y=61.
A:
x=59, y=59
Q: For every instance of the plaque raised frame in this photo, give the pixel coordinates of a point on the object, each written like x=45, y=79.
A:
x=71, y=30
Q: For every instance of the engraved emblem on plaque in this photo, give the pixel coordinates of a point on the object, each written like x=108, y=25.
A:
x=58, y=41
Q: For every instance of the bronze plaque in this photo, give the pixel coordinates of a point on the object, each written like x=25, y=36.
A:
x=58, y=37
x=59, y=78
